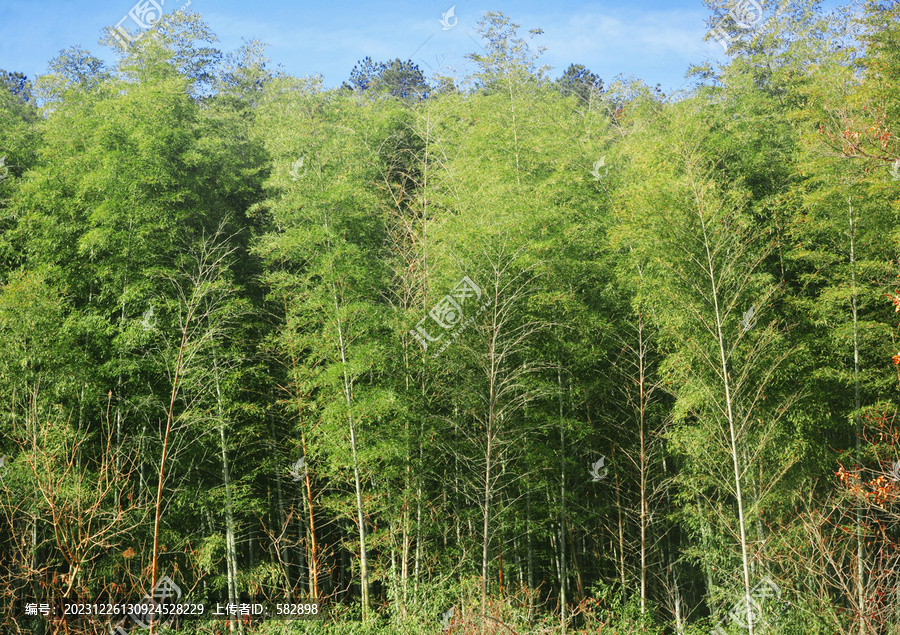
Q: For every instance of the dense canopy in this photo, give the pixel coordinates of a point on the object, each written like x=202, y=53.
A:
x=483, y=354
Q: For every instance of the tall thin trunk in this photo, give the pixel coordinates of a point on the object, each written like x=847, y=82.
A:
x=120, y=435
x=313, y=552
x=162, y=462
x=485, y=541
x=143, y=471
x=230, y=547
x=284, y=557
x=500, y=564
x=553, y=536
x=672, y=549
x=348, y=395
x=251, y=547
x=528, y=533
x=270, y=544
x=419, y=543
x=230, y=551
x=312, y=557
x=405, y=537
x=676, y=593
x=860, y=546
x=456, y=521
x=304, y=550
x=80, y=423
x=34, y=518
x=344, y=588
x=621, y=522
x=643, y=461
x=493, y=423
x=517, y=554
x=576, y=562
x=563, y=572
x=756, y=495
x=120, y=382
x=705, y=533
x=363, y=557
x=420, y=547
x=394, y=575
x=745, y=556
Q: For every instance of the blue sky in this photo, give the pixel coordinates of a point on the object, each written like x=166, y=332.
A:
x=655, y=41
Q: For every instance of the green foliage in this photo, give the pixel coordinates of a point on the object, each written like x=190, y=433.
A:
x=695, y=288
x=401, y=79
x=580, y=82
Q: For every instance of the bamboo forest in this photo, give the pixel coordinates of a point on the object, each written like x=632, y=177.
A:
x=522, y=350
